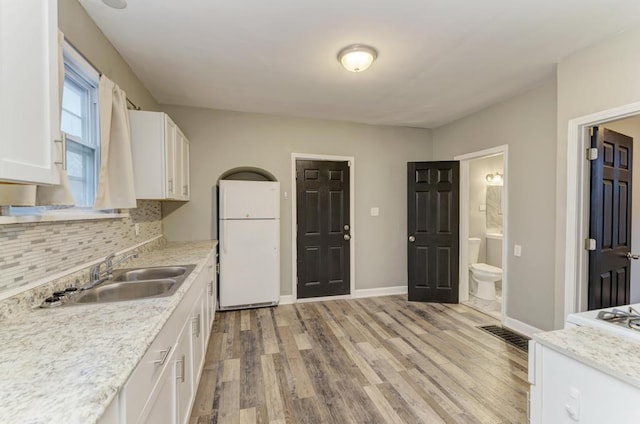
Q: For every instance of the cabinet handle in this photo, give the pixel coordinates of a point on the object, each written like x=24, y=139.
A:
x=165, y=355
x=196, y=325
x=181, y=376
x=210, y=288
x=63, y=140
x=185, y=190
x=170, y=185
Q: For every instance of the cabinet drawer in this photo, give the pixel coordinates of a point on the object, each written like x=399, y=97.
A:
x=145, y=377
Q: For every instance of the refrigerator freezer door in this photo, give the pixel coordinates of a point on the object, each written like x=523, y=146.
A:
x=249, y=262
x=249, y=199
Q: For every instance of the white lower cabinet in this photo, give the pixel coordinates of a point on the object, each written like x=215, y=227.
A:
x=162, y=387
x=564, y=390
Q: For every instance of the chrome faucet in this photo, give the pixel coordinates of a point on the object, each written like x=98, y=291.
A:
x=98, y=276
x=109, y=261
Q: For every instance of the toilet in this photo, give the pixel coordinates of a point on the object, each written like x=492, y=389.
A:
x=483, y=275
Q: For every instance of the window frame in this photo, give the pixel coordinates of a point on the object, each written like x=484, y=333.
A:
x=80, y=73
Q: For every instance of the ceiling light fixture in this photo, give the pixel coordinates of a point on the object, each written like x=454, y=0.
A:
x=357, y=57
x=116, y=4
x=495, y=179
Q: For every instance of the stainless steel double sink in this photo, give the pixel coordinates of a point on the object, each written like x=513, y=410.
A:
x=135, y=283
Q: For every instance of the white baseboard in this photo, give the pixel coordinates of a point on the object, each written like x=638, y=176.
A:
x=287, y=299
x=382, y=291
x=520, y=327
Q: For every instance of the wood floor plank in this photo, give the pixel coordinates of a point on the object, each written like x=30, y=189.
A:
x=269, y=340
x=371, y=360
x=272, y=390
x=248, y=416
x=383, y=406
x=245, y=320
x=231, y=370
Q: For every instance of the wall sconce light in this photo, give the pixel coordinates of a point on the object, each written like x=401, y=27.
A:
x=495, y=179
x=357, y=57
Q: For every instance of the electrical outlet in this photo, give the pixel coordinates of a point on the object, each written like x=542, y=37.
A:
x=136, y=229
x=375, y=211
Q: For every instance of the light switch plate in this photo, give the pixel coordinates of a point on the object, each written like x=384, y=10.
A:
x=517, y=250
x=375, y=211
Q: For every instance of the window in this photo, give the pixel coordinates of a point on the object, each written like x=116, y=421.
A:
x=80, y=124
x=79, y=121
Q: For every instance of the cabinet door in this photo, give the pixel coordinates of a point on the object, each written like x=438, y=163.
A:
x=571, y=391
x=186, y=188
x=163, y=409
x=29, y=108
x=198, y=336
x=170, y=158
x=211, y=295
x=178, y=164
x=183, y=377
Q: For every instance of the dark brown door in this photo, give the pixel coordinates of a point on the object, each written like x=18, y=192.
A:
x=433, y=239
x=322, y=189
x=610, y=219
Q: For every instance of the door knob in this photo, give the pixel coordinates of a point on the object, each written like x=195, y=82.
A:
x=412, y=239
x=347, y=237
x=632, y=256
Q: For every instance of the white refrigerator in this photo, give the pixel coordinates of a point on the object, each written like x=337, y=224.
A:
x=249, y=244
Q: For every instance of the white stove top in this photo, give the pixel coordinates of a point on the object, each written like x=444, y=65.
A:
x=588, y=319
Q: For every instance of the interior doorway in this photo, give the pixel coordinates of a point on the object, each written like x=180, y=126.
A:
x=624, y=120
x=483, y=230
x=322, y=237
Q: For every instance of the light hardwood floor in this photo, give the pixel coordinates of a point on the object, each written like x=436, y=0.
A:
x=374, y=360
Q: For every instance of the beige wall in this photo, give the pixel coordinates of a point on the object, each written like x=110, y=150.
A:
x=603, y=76
x=527, y=124
x=222, y=140
x=83, y=33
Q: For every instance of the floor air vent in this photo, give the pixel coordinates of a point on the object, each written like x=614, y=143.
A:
x=514, y=339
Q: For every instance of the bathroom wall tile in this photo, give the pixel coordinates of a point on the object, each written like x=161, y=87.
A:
x=494, y=209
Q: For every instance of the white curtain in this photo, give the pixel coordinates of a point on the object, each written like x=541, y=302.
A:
x=115, y=184
x=58, y=195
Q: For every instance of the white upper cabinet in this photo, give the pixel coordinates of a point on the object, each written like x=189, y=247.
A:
x=160, y=157
x=29, y=108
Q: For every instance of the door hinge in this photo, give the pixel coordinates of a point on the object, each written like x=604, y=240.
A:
x=349, y=163
x=592, y=153
x=218, y=268
x=591, y=131
x=590, y=244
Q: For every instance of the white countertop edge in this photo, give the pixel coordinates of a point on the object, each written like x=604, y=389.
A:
x=602, y=366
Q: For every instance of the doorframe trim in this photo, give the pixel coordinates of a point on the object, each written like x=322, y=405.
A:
x=463, y=291
x=294, y=220
x=577, y=202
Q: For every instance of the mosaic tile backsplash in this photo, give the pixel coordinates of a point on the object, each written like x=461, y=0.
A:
x=32, y=251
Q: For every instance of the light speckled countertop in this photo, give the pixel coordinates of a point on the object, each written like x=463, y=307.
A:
x=66, y=365
x=613, y=355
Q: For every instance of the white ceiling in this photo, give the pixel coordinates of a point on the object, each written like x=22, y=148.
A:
x=438, y=60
